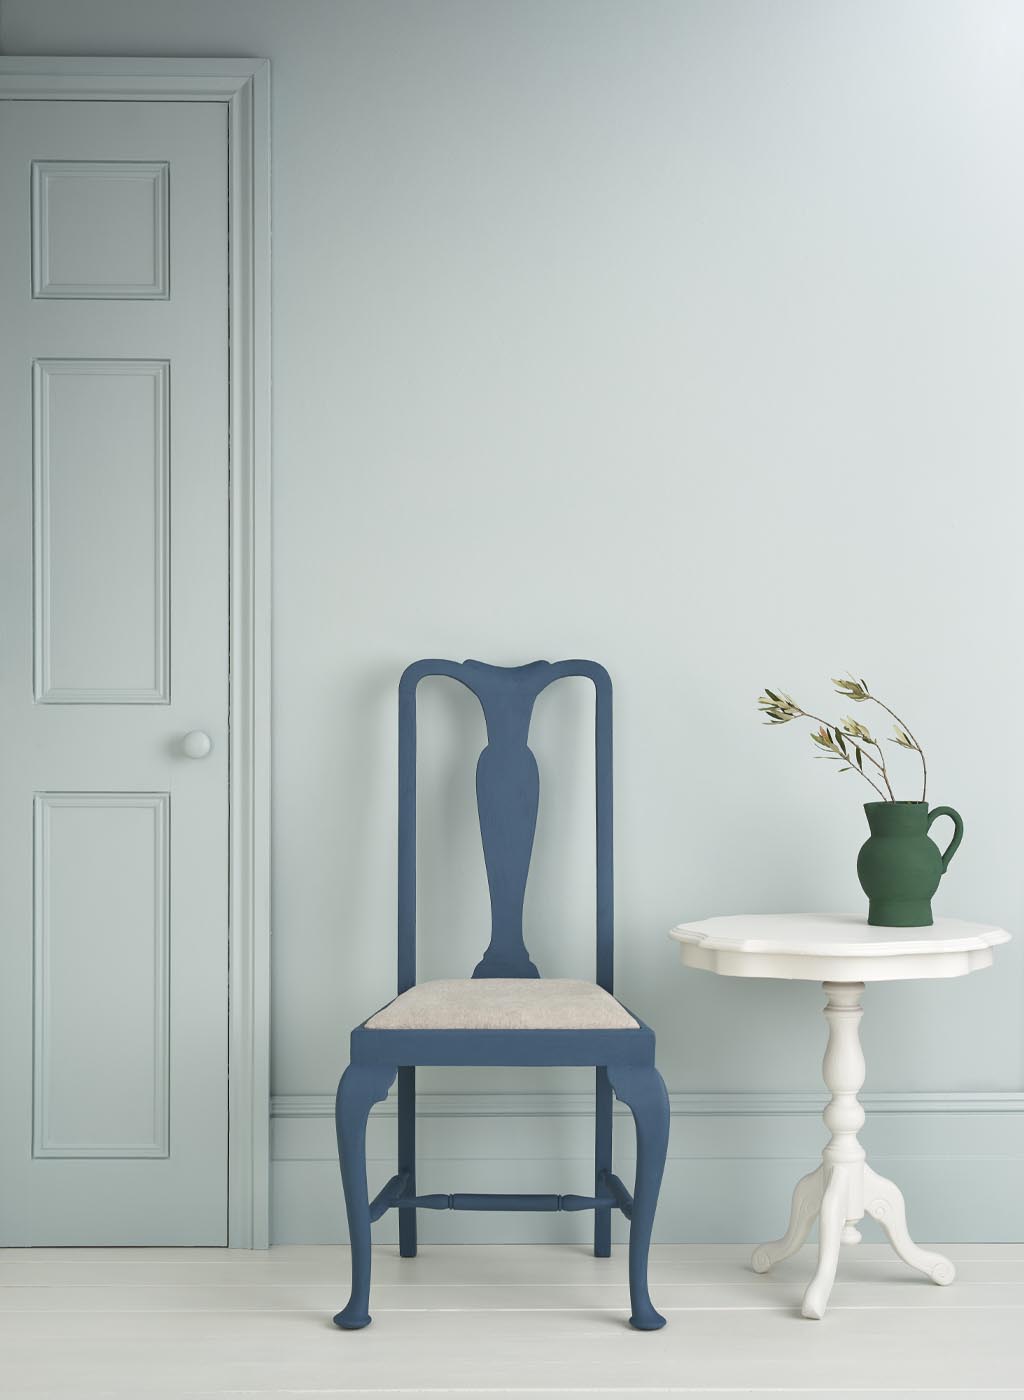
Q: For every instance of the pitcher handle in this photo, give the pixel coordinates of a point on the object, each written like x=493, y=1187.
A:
x=958, y=832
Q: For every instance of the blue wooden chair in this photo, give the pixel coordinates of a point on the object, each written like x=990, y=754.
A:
x=503, y=1015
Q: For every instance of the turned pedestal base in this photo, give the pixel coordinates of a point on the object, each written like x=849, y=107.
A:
x=843, y=1189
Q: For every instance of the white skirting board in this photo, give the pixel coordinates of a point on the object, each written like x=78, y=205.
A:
x=732, y=1161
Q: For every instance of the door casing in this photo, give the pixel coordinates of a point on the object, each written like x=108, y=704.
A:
x=243, y=85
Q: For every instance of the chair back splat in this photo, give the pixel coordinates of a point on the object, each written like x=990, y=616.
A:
x=507, y=790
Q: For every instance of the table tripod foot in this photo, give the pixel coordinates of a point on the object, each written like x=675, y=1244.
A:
x=806, y=1204
x=831, y=1220
x=883, y=1201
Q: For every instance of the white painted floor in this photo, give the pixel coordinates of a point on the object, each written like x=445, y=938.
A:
x=531, y=1320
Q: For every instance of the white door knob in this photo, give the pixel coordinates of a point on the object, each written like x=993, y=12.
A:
x=197, y=743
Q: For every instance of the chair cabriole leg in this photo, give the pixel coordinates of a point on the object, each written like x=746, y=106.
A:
x=642, y=1088
x=361, y=1087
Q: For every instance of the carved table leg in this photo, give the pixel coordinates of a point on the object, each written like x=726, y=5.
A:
x=806, y=1204
x=834, y=1206
x=883, y=1201
x=835, y=1191
x=844, y=1187
x=843, y=1070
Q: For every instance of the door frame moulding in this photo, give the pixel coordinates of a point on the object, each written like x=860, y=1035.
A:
x=243, y=85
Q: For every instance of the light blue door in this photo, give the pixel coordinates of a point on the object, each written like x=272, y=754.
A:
x=113, y=610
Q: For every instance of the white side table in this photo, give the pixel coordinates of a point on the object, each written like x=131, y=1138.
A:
x=842, y=952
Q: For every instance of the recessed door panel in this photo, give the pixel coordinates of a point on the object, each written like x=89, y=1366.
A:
x=102, y=921
x=100, y=229
x=101, y=504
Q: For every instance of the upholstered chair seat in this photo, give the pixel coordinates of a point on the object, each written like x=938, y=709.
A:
x=504, y=1004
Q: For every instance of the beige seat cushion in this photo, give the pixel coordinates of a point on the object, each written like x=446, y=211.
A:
x=504, y=1004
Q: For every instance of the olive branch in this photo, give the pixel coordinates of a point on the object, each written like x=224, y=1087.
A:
x=849, y=742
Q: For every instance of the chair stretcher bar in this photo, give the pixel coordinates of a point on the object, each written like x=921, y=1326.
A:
x=393, y=1197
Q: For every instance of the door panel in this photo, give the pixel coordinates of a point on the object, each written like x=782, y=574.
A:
x=112, y=1101
x=114, y=620
x=100, y=228
x=101, y=436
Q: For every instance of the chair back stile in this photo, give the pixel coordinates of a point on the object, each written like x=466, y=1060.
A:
x=507, y=785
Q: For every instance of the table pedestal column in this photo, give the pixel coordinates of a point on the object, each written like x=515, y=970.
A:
x=843, y=1189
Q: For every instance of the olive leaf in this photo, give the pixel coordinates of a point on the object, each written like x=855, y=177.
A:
x=778, y=709
x=855, y=730
x=851, y=689
x=903, y=739
x=823, y=738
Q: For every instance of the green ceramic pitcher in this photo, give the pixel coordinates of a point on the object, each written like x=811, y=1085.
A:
x=899, y=864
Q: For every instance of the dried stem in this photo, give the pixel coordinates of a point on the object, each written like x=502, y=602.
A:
x=920, y=750
x=858, y=743
x=881, y=765
x=855, y=769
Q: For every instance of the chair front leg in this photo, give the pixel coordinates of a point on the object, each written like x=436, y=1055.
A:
x=643, y=1090
x=361, y=1087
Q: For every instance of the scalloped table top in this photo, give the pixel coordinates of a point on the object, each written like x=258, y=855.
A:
x=835, y=947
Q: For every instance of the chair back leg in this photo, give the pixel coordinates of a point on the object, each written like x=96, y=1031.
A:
x=407, y=1157
x=361, y=1087
x=602, y=1162
x=643, y=1089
